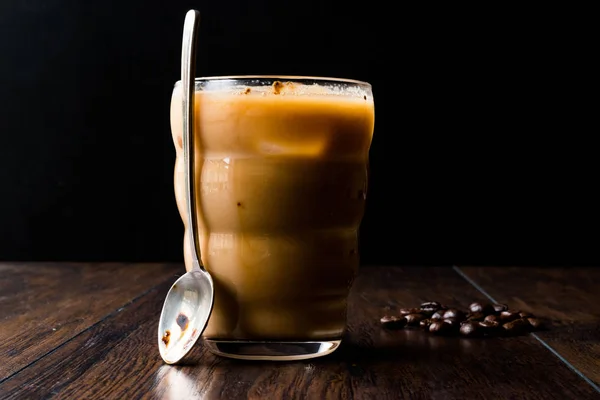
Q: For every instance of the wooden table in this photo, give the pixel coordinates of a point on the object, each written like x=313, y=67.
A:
x=85, y=331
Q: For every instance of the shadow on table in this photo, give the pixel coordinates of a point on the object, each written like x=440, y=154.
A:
x=408, y=345
x=403, y=345
x=209, y=376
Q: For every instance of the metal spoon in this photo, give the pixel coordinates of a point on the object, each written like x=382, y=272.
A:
x=190, y=300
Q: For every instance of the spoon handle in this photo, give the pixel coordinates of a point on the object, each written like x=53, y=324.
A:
x=188, y=70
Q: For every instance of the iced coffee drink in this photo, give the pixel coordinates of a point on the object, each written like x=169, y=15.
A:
x=281, y=182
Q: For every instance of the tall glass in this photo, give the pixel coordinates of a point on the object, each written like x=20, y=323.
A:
x=281, y=182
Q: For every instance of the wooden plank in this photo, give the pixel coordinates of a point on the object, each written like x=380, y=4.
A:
x=118, y=358
x=42, y=305
x=568, y=297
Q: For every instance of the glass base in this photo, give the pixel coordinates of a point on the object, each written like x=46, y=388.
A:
x=270, y=350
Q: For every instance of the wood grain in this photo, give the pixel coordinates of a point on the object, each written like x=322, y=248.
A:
x=568, y=297
x=118, y=357
x=43, y=305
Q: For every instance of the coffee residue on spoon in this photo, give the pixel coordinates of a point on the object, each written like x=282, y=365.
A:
x=166, y=337
x=183, y=321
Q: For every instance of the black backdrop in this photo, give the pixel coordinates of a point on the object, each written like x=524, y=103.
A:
x=473, y=158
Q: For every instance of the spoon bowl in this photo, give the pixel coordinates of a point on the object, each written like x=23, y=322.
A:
x=184, y=315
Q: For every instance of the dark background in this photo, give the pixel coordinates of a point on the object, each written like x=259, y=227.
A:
x=480, y=153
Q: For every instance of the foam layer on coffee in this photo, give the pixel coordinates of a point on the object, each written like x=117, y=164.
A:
x=287, y=88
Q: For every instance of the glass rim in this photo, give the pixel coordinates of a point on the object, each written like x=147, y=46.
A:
x=297, y=78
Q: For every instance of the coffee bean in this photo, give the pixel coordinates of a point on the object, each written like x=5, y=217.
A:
x=535, y=323
x=424, y=323
x=500, y=307
x=414, y=319
x=491, y=318
x=476, y=317
x=439, y=314
x=483, y=308
x=470, y=329
x=454, y=313
x=516, y=326
x=426, y=313
x=476, y=307
x=509, y=315
x=440, y=328
x=490, y=327
x=393, y=322
x=454, y=322
x=481, y=319
x=430, y=306
x=525, y=314
x=406, y=311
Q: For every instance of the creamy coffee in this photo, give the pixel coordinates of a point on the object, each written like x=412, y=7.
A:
x=280, y=192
